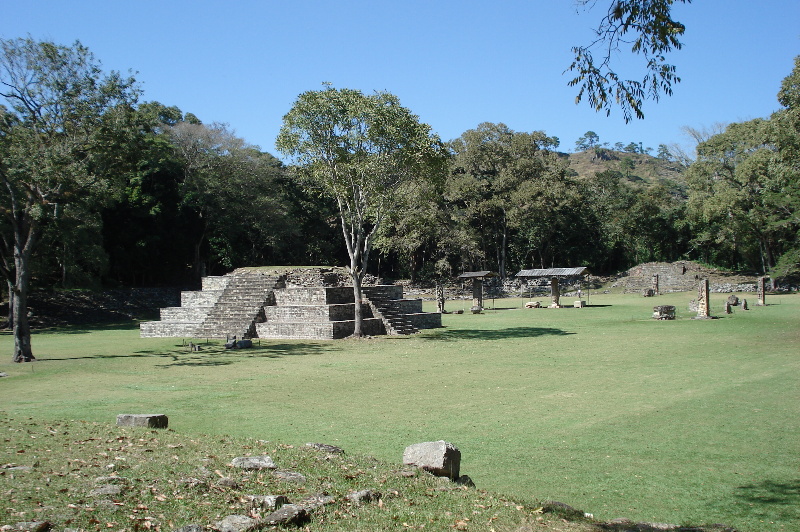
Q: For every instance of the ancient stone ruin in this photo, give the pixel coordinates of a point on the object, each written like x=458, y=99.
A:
x=664, y=312
x=661, y=278
x=760, y=289
x=307, y=303
x=555, y=294
x=439, y=458
x=703, y=303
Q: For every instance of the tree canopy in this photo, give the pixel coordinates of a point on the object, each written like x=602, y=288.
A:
x=648, y=27
x=362, y=151
x=63, y=119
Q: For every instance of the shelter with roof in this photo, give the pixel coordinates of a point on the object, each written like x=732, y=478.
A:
x=554, y=274
x=477, y=287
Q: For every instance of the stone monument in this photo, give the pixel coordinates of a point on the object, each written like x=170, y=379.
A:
x=703, y=305
x=555, y=294
x=762, y=301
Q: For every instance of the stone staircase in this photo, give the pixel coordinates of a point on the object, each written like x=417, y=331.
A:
x=300, y=304
x=239, y=306
x=184, y=321
x=386, y=305
x=315, y=312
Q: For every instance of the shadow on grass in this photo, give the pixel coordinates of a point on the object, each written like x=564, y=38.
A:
x=497, y=334
x=86, y=329
x=771, y=493
x=211, y=355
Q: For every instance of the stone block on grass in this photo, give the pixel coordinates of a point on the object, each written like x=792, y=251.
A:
x=153, y=421
x=440, y=458
x=254, y=462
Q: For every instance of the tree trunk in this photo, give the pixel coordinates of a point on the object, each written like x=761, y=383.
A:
x=10, y=324
x=19, y=309
x=357, y=296
x=502, y=261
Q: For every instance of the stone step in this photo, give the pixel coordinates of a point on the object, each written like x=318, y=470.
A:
x=166, y=329
x=330, y=330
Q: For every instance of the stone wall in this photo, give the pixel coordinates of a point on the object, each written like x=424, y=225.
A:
x=681, y=276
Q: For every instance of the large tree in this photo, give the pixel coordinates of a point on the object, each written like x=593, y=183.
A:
x=745, y=189
x=648, y=27
x=62, y=116
x=230, y=188
x=360, y=150
x=501, y=179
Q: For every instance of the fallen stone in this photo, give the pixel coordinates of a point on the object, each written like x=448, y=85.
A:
x=254, y=462
x=153, y=421
x=439, y=458
x=288, y=514
x=326, y=448
x=236, y=523
x=733, y=300
x=266, y=502
x=290, y=476
x=35, y=526
x=664, y=312
x=533, y=304
x=316, y=501
x=3, y=374
x=363, y=496
x=227, y=482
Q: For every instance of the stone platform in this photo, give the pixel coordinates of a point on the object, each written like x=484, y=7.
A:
x=306, y=304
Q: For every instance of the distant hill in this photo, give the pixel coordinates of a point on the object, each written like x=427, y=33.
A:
x=639, y=168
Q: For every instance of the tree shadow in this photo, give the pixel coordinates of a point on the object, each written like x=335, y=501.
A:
x=771, y=493
x=79, y=329
x=498, y=334
x=211, y=355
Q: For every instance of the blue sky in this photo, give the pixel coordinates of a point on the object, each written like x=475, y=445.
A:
x=453, y=63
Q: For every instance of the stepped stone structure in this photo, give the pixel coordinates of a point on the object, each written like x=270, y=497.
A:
x=683, y=276
x=307, y=303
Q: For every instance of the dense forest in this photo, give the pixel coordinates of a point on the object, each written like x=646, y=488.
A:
x=138, y=193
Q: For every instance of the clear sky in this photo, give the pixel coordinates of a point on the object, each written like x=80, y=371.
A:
x=453, y=63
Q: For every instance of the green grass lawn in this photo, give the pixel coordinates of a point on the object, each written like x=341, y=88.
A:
x=603, y=408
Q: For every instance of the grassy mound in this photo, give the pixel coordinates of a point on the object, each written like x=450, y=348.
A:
x=92, y=476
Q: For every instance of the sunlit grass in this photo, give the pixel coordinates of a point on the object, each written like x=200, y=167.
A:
x=602, y=407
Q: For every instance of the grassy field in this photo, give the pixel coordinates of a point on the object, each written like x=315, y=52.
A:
x=603, y=408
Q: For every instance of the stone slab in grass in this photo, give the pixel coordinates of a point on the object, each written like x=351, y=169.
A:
x=153, y=421
x=440, y=458
x=253, y=462
x=288, y=514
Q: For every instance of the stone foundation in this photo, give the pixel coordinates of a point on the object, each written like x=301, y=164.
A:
x=301, y=304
